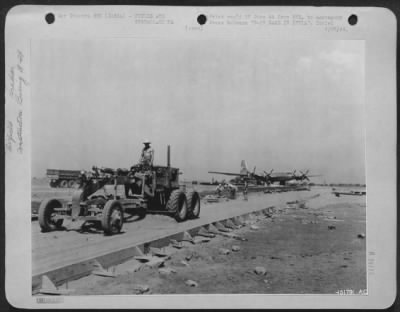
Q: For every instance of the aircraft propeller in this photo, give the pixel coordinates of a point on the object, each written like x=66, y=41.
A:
x=268, y=175
x=304, y=175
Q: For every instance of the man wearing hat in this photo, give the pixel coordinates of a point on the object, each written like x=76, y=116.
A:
x=143, y=168
x=147, y=156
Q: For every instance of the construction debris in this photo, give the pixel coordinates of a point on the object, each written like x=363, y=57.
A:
x=159, y=252
x=235, y=248
x=187, y=237
x=212, y=229
x=252, y=216
x=249, y=222
x=238, y=221
x=220, y=227
x=140, y=289
x=191, y=283
x=224, y=251
x=259, y=270
x=176, y=244
x=234, y=236
x=134, y=267
x=200, y=239
x=143, y=258
x=230, y=225
x=100, y=271
x=152, y=261
x=155, y=262
x=166, y=271
x=205, y=233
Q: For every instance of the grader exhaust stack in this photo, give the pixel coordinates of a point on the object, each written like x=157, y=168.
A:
x=169, y=165
x=169, y=156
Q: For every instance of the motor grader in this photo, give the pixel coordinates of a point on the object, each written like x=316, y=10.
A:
x=154, y=188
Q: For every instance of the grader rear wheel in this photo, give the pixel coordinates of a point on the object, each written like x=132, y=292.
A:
x=193, y=201
x=177, y=204
x=47, y=214
x=113, y=217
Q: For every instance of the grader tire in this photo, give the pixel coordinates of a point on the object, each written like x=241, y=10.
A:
x=193, y=201
x=113, y=217
x=46, y=211
x=177, y=204
x=63, y=183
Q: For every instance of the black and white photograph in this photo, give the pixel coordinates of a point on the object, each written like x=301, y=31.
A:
x=139, y=126
x=197, y=164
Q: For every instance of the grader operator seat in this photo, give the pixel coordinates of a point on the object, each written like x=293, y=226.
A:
x=141, y=168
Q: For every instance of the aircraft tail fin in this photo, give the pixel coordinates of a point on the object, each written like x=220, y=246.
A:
x=243, y=168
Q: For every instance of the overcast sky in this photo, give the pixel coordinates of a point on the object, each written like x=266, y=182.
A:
x=279, y=105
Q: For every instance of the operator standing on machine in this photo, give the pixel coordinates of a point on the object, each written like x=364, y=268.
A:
x=147, y=156
x=143, y=168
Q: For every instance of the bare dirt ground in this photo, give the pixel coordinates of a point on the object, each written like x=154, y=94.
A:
x=313, y=250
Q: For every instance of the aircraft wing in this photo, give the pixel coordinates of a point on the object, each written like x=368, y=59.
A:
x=287, y=173
x=228, y=173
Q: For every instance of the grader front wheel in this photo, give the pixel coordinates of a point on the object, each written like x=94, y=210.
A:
x=113, y=217
x=47, y=215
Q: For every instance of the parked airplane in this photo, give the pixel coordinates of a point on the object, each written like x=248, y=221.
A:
x=267, y=178
x=244, y=175
x=284, y=177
